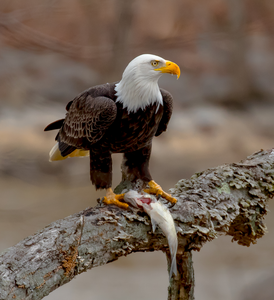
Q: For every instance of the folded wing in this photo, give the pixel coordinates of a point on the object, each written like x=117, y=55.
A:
x=86, y=122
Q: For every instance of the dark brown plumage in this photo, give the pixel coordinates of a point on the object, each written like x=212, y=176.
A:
x=97, y=123
x=120, y=117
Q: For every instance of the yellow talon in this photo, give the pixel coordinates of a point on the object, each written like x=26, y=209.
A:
x=155, y=189
x=112, y=198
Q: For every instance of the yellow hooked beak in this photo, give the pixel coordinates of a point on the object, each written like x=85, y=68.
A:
x=170, y=68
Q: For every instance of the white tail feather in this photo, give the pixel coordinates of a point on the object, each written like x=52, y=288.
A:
x=55, y=153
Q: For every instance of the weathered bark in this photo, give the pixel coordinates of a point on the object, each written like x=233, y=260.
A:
x=230, y=199
x=182, y=286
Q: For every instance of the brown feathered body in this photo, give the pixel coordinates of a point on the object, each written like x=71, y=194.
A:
x=96, y=122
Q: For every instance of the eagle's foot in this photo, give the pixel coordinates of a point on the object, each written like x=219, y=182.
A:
x=112, y=198
x=155, y=189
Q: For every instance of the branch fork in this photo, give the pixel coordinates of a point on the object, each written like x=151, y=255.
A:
x=228, y=200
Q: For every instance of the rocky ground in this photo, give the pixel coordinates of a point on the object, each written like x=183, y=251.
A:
x=35, y=192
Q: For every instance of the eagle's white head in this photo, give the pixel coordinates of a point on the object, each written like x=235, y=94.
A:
x=139, y=85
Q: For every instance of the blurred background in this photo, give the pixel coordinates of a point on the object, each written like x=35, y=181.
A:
x=224, y=103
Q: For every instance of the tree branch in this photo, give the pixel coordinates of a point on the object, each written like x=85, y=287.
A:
x=230, y=199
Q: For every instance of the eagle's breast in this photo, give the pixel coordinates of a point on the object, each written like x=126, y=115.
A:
x=132, y=131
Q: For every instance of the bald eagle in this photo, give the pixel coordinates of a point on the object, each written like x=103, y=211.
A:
x=118, y=117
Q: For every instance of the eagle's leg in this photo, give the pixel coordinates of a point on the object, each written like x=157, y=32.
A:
x=155, y=189
x=112, y=198
x=136, y=166
x=101, y=176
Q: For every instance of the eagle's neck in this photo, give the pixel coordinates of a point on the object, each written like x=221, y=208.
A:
x=137, y=92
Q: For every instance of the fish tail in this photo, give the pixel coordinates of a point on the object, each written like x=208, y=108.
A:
x=173, y=267
x=173, y=246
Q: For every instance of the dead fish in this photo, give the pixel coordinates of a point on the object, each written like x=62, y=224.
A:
x=159, y=215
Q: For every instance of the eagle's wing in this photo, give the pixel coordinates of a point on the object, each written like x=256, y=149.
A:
x=168, y=106
x=86, y=122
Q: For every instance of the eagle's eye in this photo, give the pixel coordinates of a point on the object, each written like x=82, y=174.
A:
x=154, y=63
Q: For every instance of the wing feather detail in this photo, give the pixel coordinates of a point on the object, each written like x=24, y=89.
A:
x=168, y=107
x=55, y=125
x=86, y=121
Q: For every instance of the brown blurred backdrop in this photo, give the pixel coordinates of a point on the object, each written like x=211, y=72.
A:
x=224, y=103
